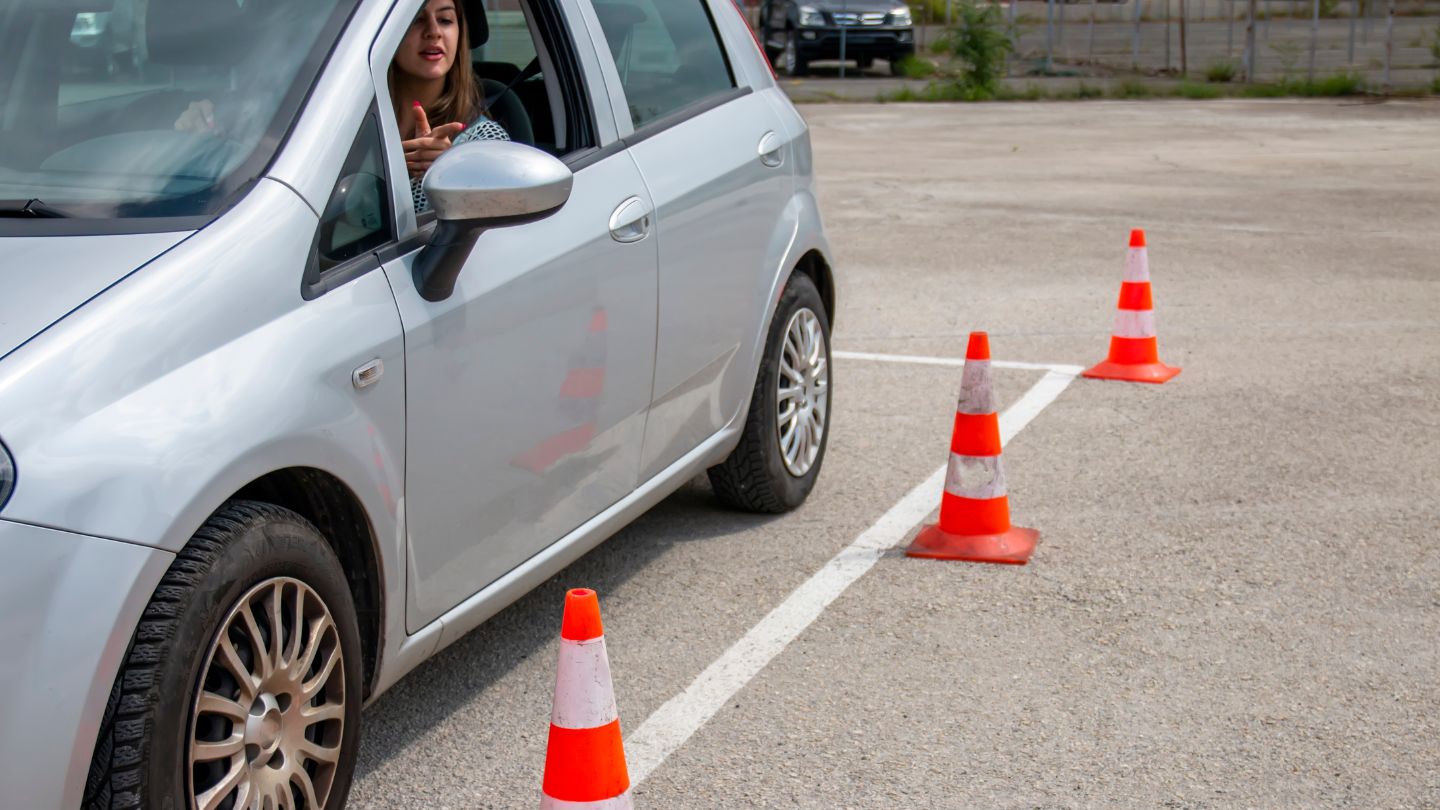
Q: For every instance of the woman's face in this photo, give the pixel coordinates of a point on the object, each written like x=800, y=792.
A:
x=428, y=50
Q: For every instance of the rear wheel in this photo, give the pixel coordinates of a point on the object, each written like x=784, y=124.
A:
x=787, y=427
x=795, y=63
x=242, y=686
x=771, y=52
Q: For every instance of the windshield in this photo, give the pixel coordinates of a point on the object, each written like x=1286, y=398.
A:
x=149, y=108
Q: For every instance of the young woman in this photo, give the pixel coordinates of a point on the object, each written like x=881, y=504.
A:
x=431, y=79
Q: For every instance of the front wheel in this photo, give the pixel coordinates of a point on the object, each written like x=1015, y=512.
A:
x=787, y=427
x=242, y=686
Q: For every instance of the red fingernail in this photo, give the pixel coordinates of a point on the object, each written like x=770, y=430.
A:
x=415, y=103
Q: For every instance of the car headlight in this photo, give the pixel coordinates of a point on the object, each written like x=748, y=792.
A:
x=7, y=475
x=810, y=17
x=900, y=16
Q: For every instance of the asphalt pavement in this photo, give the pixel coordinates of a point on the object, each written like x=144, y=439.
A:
x=1236, y=598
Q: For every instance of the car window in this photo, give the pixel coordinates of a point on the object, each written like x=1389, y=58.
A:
x=357, y=219
x=668, y=54
x=510, y=40
x=151, y=108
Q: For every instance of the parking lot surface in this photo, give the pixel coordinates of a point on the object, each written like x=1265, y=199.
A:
x=1236, y=597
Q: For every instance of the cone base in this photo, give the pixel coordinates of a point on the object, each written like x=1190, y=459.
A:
x=1012, y=547
x=1131, y=372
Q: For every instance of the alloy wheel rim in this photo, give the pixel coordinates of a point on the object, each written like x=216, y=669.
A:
x=269, y=716
x=802, y=395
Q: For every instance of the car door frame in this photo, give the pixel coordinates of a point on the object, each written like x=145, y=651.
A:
x=414, y=232
x=750, y=76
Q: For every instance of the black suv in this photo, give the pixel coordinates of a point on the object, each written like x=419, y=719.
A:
x=802, y=31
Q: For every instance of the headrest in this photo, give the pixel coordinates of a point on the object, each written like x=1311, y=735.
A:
x=476, y=21
x=618, y=18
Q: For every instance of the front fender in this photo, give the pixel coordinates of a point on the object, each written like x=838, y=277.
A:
x=141, y=413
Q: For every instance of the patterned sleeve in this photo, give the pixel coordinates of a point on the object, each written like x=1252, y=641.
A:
x=484, y=129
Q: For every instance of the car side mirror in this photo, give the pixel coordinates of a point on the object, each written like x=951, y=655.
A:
x=477, y=186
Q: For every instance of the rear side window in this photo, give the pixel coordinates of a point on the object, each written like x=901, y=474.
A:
x=668, y=54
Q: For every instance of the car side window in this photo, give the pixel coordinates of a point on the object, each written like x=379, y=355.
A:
x=668, y=54
x=357, y=219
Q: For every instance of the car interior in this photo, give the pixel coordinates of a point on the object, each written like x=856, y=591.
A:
x=527, y=77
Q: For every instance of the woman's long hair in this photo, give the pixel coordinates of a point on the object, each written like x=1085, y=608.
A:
x=460, y=99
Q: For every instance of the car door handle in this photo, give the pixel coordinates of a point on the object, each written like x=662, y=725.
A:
x=631, y=220
x=771, y=150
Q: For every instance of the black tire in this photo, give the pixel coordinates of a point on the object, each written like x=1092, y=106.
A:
x=795, y=62
x=754, y=476
x=865, y=62
x=141, y=754
x=771, y=52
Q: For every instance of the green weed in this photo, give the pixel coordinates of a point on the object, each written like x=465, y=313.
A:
x=1132, y=88
x=980, y=41
x=1221, y=70
x=913, y=67
x=1195, y=90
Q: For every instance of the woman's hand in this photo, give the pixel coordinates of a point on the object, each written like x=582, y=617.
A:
x=198, y=119
x=428, y=144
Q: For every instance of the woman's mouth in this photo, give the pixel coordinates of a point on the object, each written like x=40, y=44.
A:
x=432, y=54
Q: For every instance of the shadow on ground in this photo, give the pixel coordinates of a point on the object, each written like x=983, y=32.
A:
x=428, y=695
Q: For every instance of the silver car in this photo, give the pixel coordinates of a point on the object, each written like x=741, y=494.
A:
x=269, y=438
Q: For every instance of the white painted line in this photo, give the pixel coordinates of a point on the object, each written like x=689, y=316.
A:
x=672, y=724
x=954, y=361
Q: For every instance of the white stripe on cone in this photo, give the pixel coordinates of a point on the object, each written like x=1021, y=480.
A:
x=1134, y=323
x=584, y=696
x=977, y=477
x=1137, y=266
x=621, y=802
x=977, y=395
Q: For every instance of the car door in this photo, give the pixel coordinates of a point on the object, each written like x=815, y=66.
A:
x=715, y=158
x=527, y=389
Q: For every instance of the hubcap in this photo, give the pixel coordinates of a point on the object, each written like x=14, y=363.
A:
x=269, y=717
x=790, y=56
x=803, y=392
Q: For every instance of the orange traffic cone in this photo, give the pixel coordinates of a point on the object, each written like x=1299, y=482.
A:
x=975, y=510
x=585, y=759
x=1133, y=353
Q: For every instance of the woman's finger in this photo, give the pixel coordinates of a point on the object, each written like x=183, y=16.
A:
x=422, y=123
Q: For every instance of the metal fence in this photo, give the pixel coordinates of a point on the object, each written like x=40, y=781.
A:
x=1388, y=44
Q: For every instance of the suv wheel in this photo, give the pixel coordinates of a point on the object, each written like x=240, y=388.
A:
x=795, y=64
x=771, y=52
x=778, y=459
x=242, y=685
